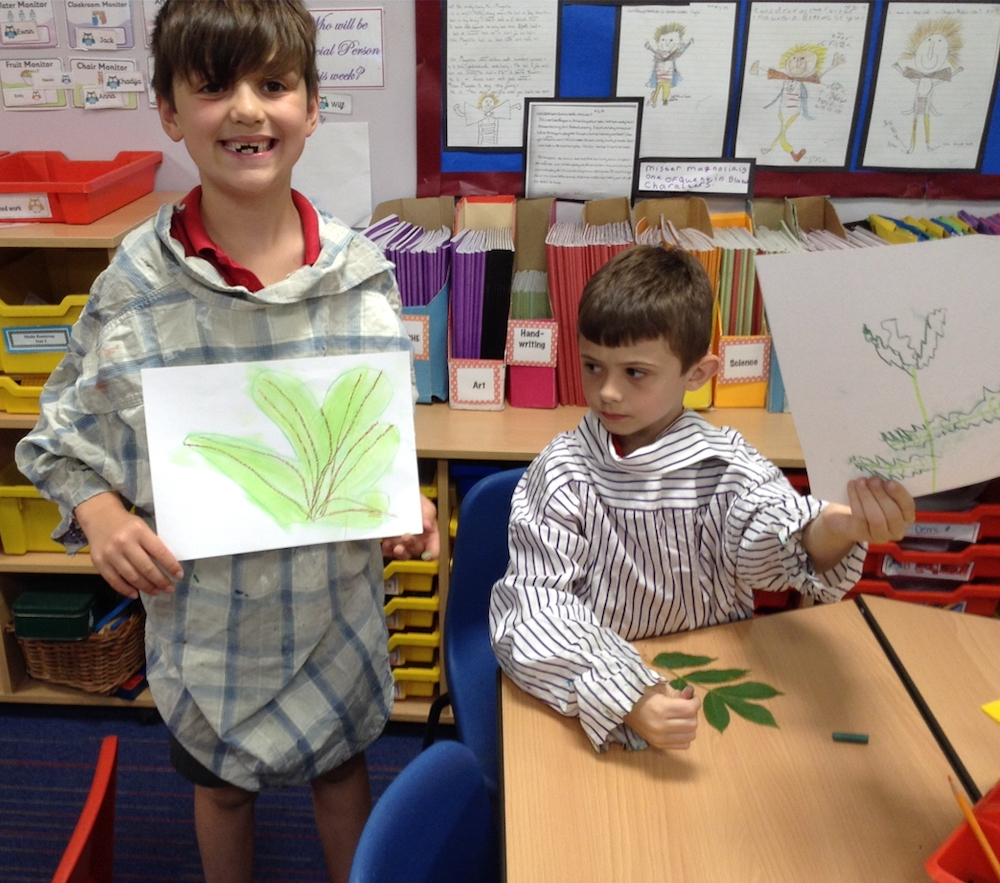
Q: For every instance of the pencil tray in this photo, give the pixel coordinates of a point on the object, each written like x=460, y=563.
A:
x=99, y=664
x=960, y=858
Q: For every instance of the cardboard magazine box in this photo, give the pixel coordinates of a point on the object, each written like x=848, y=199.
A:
x=745, y=359
x=571, y=264
x=427, y=326
x=801, y=214
x=478, y=384
x=816, y=213
x=532, y=344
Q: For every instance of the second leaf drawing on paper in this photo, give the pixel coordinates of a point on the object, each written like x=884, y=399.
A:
x=890, y=361
x=918, y=448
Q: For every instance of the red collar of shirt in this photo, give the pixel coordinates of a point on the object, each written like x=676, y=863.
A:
x=187, y=228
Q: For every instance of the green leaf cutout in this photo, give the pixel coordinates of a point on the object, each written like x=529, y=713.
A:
x=749, y=690
x=715, y=675
x=681, y=660
x=716, y=712
x=720, y=700
x=755, y=713
x=340, y=450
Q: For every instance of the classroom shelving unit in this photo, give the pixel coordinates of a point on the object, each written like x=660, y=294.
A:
x=443, y=435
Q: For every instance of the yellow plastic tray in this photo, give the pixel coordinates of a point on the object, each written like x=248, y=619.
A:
x=413, y=647
x=406, y=612
x=26, y=520
x=403, y=577
x=35, y=338
x=413, y=681
x=20, y=396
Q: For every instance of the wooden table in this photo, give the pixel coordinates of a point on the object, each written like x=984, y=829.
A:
x=952, y=660
x=519, y=434
x=753, y=803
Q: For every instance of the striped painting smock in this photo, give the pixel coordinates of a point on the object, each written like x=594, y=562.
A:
x=606, y=549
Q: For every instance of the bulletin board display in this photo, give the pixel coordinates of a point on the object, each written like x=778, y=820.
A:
x=888, y=98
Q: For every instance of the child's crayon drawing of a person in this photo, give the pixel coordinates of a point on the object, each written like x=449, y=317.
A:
x=800, y=65
x=669, y=46
x=931, y=54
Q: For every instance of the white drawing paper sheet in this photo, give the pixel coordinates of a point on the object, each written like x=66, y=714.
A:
x=890, y=361
x=800, y=82
x=688, y=119
x=934, y=87
x=202, y=512
x=347, y=195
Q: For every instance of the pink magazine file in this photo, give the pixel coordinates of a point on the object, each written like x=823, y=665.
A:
x=532, y=353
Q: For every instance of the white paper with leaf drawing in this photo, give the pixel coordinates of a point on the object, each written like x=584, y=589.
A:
x=274, y=454
x=890, y=361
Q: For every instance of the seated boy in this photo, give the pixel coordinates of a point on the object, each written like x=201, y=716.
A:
x=646, y=519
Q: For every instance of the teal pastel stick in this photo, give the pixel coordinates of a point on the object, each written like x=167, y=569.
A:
x=861, y=738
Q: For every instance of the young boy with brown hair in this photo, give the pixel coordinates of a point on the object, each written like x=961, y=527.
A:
x=646, y=519
x=270, y=668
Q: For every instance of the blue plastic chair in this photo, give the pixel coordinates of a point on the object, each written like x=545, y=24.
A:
x=433, y=824
x=479, y=560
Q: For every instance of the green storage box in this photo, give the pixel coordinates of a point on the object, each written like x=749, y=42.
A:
x=54, y=616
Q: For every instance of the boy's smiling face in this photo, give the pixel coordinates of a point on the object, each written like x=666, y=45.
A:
x=637, y=390
x=244, y=139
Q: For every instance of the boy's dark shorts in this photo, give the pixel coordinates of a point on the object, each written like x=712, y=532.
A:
x=190, y=768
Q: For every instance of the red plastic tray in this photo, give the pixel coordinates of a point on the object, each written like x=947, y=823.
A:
x=77, y=191
x=891, y=560
x=984, y=517
x=960, y=858
x=978, y=598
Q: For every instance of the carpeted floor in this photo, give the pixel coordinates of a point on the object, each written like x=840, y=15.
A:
x=47, y=756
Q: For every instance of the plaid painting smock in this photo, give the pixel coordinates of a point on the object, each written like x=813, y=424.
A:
x=270, y=668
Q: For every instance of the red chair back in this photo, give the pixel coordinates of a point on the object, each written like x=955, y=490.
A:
x=89, y=856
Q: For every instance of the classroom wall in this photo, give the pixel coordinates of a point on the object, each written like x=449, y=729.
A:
x=390, y=112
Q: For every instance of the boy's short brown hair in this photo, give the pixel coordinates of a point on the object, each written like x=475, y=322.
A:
x=646, y=292
x=222, y=41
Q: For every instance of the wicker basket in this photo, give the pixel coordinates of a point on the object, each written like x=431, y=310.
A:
x=99, y=664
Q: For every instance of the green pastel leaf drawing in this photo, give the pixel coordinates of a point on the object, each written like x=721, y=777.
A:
x=268, y=479
x=366, y=512
x=356, y=400
x=340, y=450
x=911, y=354
x=719, y=700
x=369, y=454
x=716, y=712
x=286, y=400
x=681, y=660
x=715, y=675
